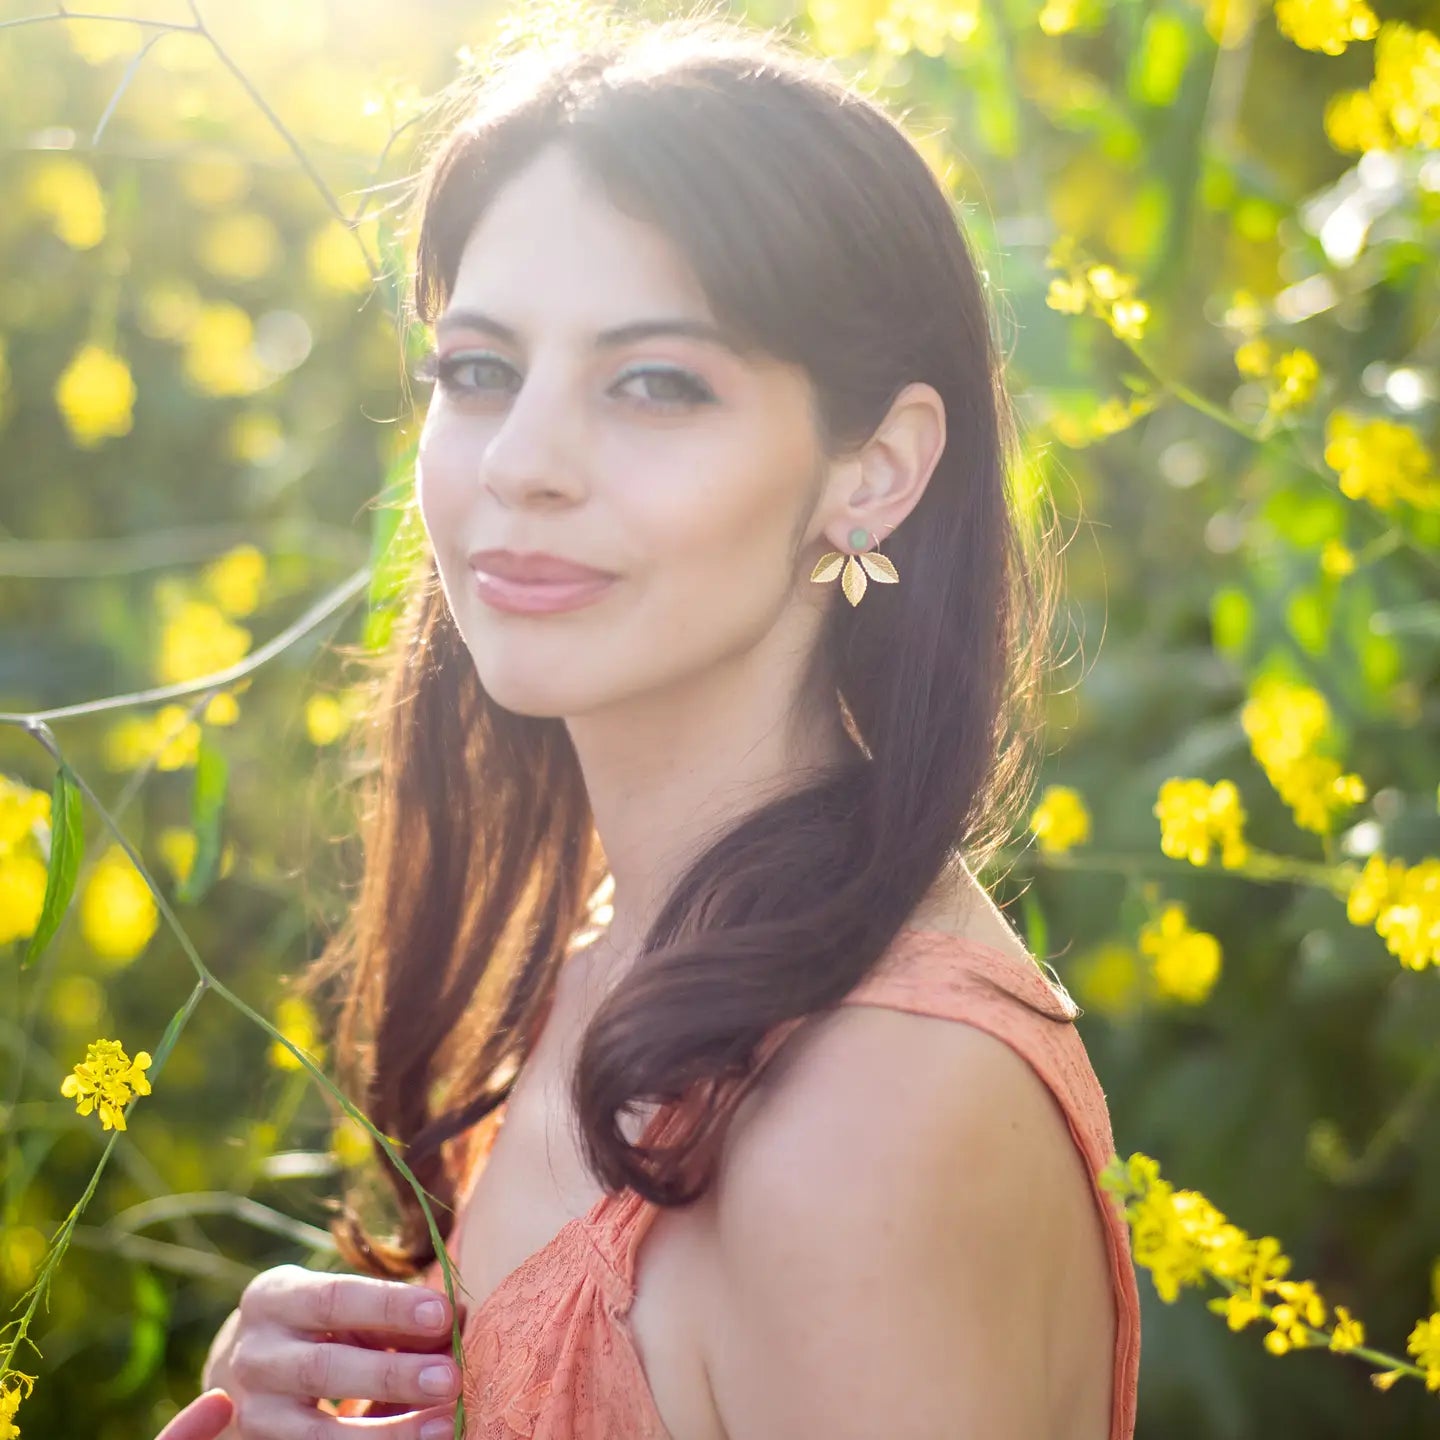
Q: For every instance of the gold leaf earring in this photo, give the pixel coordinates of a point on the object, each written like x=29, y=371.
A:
x=853, y=569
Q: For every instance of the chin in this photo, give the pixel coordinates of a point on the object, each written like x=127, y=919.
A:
x=545, y=686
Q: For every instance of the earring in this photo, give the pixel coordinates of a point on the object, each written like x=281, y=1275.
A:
x=853, y=569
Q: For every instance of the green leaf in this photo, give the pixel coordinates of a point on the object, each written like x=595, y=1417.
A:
x=397, y=541
x=207, y=806
x=148, y=1325
x=1307, y=616
x=1037, y=929
x=67, y=846
x=1160, y=61
x=1232, y=621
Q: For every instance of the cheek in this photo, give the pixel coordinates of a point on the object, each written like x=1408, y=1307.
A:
x=720, y=552
x=439, y=480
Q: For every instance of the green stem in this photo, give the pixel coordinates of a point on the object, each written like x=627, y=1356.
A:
x=63, y=14
x=312, y=619
x=332, y=202
x=1260, y=865
x=207, y=981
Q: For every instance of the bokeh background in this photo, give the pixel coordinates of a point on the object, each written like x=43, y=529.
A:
x=1210, y=231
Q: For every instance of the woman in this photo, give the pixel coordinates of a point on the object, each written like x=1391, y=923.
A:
x=706, y=330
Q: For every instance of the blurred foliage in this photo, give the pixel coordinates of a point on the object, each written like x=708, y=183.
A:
x=1210, y=232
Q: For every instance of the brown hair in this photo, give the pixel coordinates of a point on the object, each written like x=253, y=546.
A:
x=819, y=232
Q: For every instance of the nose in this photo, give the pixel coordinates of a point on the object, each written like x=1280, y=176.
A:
x=534, y=457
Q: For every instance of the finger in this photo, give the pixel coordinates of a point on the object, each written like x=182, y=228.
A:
x=277, y=1418
x=202, y=1419
x=299, y=1299
x=305, y=1369
x=392, y=1340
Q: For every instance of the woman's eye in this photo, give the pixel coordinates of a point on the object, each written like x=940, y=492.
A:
x=431, y=367
x=667, y=387
x=684, y=388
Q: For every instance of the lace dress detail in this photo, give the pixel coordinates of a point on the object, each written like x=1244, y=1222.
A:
x=549, y=1352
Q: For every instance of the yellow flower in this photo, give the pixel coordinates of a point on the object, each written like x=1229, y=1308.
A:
x=77, y=1003
x=1187, y=961
x=169, y=309
x=223, y=709
x=1107, y=283
x=1424, y=1345
x=1403, y=902
x=1108, y=980
x=1060, y=820
x=926, y=25
x=295, y=1020
x=255, y=437
x=64, y=190
x=234, y=580
x=1326, y=25
x=1302, y=1311
x=22, y=810
x=1402, y=105
x=1316, y=792
x=214, y=179
x=841, y=27
x=1336, y=560
x=22, y=1247
x=1128, y=317
x=1349, y=1332
x=1070, y=297
x=198, y=640
x=1194, y=816
x=22, y=895
x=10, y=1398
x=1059, y=17
x=107, y=1079
x=323, y=722
x=96, y=396
x=350, y=1143
x=117, y=911
x=1381, y=461
x=1407, y=83
x=220, y=356
x=1285, y=722
x=336, y=260
x=242, y=245
x=97, y=41
x=1254, y=358
x=1295, y=378
x=177, y=847
x=1354, y=123
x=168, y=736
x=1102, y=289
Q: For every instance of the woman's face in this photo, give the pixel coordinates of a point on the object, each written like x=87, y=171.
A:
x=688, y=473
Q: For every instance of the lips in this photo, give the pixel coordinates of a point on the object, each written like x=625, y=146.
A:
x=533, y=567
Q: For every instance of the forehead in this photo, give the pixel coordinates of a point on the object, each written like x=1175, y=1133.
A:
x=552, y=250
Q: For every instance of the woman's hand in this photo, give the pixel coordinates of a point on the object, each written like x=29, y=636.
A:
x=204, y=1418
x=300, y=1335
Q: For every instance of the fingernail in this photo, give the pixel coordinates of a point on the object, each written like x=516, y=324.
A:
x=436, y=1379
x=431, y=1313
x=437, y=1430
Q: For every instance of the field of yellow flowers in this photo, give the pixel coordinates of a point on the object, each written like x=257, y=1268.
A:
x=1211, y=229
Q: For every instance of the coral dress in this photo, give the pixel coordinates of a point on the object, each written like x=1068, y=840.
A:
x=549, y=1353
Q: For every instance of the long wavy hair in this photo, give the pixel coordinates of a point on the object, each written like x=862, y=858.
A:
x=818, y=231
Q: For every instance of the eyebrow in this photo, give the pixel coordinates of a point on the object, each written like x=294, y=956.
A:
x=629, y=334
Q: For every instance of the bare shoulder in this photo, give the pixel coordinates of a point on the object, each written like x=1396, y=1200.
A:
x=913, y=1180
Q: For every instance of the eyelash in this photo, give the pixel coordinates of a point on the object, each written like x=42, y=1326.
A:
x=431, y=367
